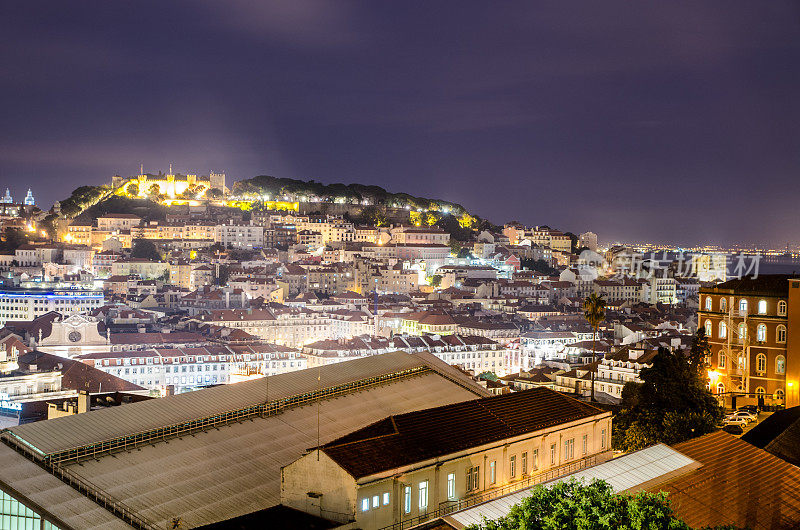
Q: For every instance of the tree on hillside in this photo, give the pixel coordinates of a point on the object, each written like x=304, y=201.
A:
x=13, y=238
x=594, y=311
x=132, y=189
x=435, y=280
x=671, y=404
x=539, y=265
x=146, y=249
x=576, y=505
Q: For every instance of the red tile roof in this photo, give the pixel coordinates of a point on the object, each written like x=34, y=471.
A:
x=737, y=484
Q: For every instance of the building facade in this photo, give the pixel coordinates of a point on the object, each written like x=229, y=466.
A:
x=753, y=328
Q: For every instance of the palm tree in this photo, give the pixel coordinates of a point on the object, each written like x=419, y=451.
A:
x=594, y=311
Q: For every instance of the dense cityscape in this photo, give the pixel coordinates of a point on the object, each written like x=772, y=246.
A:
x=185, y=346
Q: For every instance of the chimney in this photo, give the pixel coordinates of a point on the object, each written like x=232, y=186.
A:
x=83, y=401
x=169, y=390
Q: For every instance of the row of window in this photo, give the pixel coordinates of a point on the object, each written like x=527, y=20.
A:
x=473, y=475
x=741, y=332
x=759, y=391
x=761, y=362
x=743, y=304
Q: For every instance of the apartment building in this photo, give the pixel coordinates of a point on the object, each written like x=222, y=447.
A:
x=240, y=236
x=462, y=454
x=188, y=369
x=753, y=327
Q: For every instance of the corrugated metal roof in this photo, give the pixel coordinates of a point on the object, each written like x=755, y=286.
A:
x=220, y=474
x=25, y=480
x=738, y=484
x=81, y=429
x=223, y=473
x=629, y=472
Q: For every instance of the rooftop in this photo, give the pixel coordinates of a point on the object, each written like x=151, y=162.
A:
x=404, y=439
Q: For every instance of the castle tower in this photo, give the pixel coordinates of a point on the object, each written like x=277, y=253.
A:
x=29, y=200
x=8, y=199
x=217, y=180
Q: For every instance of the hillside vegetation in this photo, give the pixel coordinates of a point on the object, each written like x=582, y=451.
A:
x=278, y=187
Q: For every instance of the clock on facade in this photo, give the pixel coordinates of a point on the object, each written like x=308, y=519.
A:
x=74, y=336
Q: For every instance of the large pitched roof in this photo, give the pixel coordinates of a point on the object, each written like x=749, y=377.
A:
x=234, y=469
x=404, y=439
x=737, y=484
x=779, y=434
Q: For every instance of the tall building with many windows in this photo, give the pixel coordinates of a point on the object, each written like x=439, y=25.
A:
x=753, y=328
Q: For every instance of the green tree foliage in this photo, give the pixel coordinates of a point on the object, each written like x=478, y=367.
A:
x=671, y=404
x=594, y=311
x=539, y=265
x=435, y=280
x=277, y=187
x=144, y=248
x=13, y=238
x=191, y=192
x=575, y=505
x=373, y=216
x=82, y=198
x=223, y=276
x=213, y=193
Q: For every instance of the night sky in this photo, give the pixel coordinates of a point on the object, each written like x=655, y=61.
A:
x=661, y=121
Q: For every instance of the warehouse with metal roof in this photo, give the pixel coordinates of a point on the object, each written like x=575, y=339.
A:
x=210, y=455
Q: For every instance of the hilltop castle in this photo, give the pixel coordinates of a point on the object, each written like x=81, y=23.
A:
x=172, y=185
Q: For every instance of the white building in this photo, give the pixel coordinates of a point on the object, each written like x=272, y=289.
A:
x=28, y=304
x=188, y=369
x=240, y=236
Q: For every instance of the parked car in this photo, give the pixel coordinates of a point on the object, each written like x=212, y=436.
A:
x=733, y=429
x=743, y=414
x=750, y=408
x=741, y=422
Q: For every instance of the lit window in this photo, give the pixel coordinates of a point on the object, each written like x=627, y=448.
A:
x=723, y=330
x=723, y=304
x=709, y=328
x=569, y=449
x=782, y=308
x=720, y=388
x=780, y=334
x=423, y=495
x=473, y=476
x=386, y=498
x=762, y=307
x=761, y=333
x=492, y=472
x=780, y=364
x=451, y=486
x=407, y=500
x=364, y=504
x=761, y=363
x=742, y=331
x=743, y=305
x=709, y=302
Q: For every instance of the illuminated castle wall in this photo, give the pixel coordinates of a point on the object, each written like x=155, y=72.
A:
x=172, y=185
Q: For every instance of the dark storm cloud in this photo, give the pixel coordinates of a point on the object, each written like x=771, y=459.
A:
x=669, y=121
